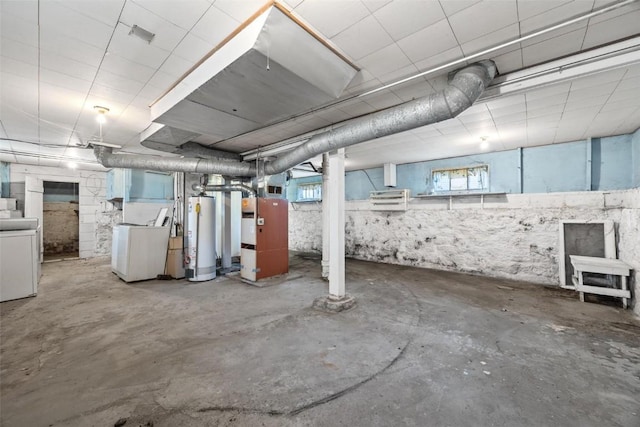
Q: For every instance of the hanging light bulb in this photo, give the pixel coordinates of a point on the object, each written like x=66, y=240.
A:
x=484, y=143
x=102, y=113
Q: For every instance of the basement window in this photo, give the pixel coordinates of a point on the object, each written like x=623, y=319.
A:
x=309, y=192
x=461, y=180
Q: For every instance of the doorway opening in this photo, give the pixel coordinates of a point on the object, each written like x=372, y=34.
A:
x=60, y=220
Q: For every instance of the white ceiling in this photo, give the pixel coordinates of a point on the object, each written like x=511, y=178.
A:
x=60, y=58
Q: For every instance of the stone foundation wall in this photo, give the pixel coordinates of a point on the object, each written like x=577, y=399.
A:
x=96, y=214
x=512, y=236
x=60, y=227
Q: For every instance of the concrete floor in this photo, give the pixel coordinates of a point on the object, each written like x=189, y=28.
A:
x=421, y=348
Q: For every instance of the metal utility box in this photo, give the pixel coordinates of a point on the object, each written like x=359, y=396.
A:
x=264, y=238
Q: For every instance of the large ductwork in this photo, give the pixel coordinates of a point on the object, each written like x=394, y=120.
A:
x=462, y=91
x=224, y=188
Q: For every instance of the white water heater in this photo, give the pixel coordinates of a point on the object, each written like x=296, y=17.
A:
x=200, y=258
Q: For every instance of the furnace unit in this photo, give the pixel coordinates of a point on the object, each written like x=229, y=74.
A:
x=265, y=238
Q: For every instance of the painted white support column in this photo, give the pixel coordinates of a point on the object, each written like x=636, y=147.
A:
x=336, y=225
x=326, y=214
x=226, y=230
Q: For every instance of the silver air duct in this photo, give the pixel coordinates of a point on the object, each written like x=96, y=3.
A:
x=193, y=149
x=225, y=188
x=463, y=90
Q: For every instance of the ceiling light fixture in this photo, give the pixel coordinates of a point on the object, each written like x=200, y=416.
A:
x=102, y=113
x=142, y=33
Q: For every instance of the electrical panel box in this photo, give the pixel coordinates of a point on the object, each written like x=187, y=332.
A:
x=264, y=238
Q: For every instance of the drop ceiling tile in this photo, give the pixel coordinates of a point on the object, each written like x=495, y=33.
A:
x=54, y=16
x=629, y=84
x=362, y=39
x=15, y=28
x=402, y=73
x=508, y=62
x=542, y=110
x=620, y=106
x=374, y=5
x=124, y=67
x=506, y=101
x=453, y=6
x=135, y=49
x=585, y=115
x=354, y=108
x=429, y=41
x=531, y=8
x=184, y=15
x=500, y=112
x=167, y=35
x=414, y=90
x=239, y=10
x=554, y=34
x=385, y=61
x=26, y=10
x=562, y=88
x=382, y=100
x=192, y=48
x=597, y=79
x=402, y=18
x=439, y=60
x=115, y=81
x=553, y=48
x=546, y=102
x=74, y=48
x=611, y=30
x=578, y=104
x=612, y=14
x=147, y=96
x=561, y=13
x=592, y=92
x=67, y=66
x=332, y=115
x=19, y=68
x=291, y=4
x=543, y=121
x=105, y=11
x=215, y=26
x=112, y=95
x=510, y=118
x=494, y=38
x=18, y=51
x=330, y=18
x=486, y=17
x=65, y=81
x=175, y=66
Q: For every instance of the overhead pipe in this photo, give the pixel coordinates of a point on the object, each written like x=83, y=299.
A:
x=462, y=91
x=224, y=188
x=195, y=149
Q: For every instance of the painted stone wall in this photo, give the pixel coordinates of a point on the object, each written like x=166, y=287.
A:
x=95, y=213
x=510, y=236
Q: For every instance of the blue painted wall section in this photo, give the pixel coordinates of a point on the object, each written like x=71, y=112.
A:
x=5, y=179
x=611, y=163
x=133, y=185
x=635, y=156
x=608, y=163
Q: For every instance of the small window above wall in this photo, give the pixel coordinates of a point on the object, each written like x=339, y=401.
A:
x=461, y=180
x=309, y=192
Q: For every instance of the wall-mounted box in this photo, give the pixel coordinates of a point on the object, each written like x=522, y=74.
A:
x=389, y=175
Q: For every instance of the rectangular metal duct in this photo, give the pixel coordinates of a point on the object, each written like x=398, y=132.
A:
x=270, y=70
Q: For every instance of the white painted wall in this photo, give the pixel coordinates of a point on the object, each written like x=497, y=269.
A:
x=96, y=214
x=513, y=236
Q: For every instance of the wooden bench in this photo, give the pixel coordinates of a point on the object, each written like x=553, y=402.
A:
x=614, y=267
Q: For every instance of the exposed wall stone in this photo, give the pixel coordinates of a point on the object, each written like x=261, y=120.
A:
x=514, y=236
x=60, y=227
x=94, y=210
